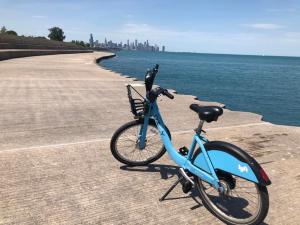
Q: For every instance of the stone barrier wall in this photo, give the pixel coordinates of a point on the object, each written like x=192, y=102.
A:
x=105, y=57
x=17, y=42
x=10, y=54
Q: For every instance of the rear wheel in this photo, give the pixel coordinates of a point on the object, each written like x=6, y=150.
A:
x=242, y=202
x=125, y=144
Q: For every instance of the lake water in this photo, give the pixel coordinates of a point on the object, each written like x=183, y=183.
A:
x=266, y=85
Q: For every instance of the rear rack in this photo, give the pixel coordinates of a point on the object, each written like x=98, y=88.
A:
x=137, y=104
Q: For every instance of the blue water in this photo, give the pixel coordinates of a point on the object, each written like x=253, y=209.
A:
x=266, y=85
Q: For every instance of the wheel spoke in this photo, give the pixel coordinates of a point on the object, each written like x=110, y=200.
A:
x=158, y=141
x=128, y=140
x=242, y=203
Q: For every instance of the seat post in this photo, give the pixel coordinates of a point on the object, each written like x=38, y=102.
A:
x=199, y=128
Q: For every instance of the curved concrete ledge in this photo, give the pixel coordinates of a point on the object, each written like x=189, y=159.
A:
x=105, y=57
x=18, y=53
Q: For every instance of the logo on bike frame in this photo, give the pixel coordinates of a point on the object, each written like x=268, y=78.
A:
x=243, y=169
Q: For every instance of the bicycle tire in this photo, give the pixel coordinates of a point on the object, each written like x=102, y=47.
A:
x=121, y=158
x=262, y=192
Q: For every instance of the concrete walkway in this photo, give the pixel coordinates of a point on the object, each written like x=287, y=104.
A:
x=57, y=115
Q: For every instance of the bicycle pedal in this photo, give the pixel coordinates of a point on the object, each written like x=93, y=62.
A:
x=183, y=151
x=186, y=186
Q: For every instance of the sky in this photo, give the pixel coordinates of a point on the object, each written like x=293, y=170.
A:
x=259, y=27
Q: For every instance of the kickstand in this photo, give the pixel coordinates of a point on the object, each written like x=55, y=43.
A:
x=171, y=188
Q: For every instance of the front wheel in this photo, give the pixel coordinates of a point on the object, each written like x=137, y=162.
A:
x=242, y=201
x=124, y=144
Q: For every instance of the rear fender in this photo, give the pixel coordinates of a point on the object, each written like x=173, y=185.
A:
x=229, y=158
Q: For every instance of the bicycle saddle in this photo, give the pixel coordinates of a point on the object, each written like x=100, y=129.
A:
x=207, y=113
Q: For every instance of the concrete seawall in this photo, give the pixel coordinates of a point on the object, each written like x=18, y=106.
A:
x=98, y=60
x=57, y=115
x=19, y=53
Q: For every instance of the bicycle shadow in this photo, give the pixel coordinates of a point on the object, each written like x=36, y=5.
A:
x=169, y=171
x=166, y=172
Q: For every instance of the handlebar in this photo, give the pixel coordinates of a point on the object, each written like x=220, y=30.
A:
x=156, y=68
x=168, y=94
x=154, y=93
x=150, y=76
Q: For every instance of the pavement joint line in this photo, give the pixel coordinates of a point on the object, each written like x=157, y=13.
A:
x=54, y=79
x=108, y=139
x=226, y=127
x=242, y=125
x=56, y=145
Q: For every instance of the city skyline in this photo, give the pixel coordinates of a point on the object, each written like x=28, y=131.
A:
x=128, y=45
x=258, y=27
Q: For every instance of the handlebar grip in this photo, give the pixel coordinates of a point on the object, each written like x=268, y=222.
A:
x=168, y=94
x=155, y=69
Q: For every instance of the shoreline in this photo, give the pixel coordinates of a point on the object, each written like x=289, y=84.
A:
x=174, y=91
x=223, y=105
x=98, y=61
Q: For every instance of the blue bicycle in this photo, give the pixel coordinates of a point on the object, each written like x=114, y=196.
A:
x=230, y=183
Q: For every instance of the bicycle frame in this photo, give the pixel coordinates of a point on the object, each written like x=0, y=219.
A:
x=183, y=161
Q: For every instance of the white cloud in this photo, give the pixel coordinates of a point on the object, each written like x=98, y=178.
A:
x=158, y=33
x=133, y=28
x=250, y=42
x=151, y=32
x=264, y=26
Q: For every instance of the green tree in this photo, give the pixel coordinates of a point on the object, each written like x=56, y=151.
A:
x=3, y=30
x=41, y=37
x=11, y=32
x=80, y=43
x=56, y=34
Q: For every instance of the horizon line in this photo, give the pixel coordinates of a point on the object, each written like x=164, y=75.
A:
x=214, y=53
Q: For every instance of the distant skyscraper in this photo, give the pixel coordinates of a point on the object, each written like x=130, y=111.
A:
x=133, y=45
x=163, y=48
x=136, y=43
x=91, y=41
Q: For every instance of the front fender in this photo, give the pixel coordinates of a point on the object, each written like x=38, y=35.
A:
x=229, y=158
